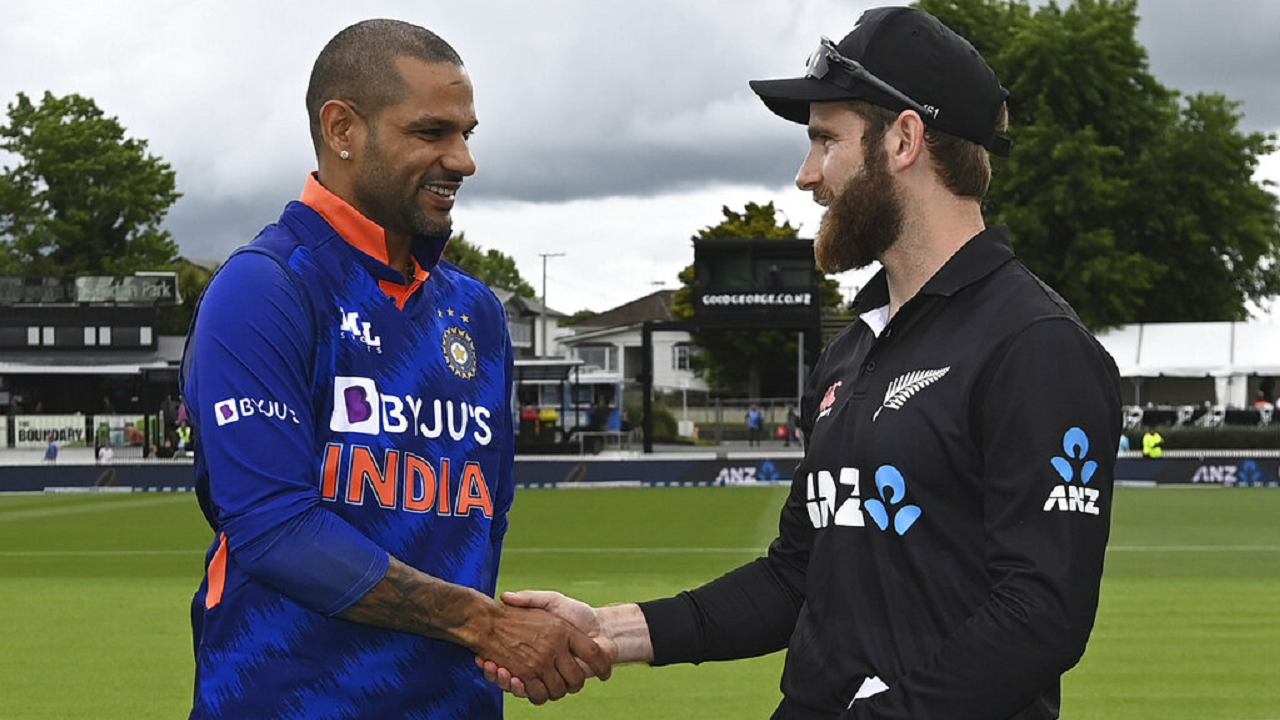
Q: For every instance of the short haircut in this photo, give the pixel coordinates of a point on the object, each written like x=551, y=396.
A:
x=358, y=67
x=963, y=166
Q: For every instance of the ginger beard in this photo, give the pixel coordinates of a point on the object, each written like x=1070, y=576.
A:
x=864, y=218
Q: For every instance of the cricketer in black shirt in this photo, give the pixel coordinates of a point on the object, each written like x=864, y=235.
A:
x=940, y=553
x=945, y=532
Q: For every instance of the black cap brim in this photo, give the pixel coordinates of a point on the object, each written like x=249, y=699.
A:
x=789, y=98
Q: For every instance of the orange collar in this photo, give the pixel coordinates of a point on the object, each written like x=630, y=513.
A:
x=361, y=233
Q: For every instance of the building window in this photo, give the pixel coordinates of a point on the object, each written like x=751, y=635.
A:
x=682, y=356
x=521, y=333
x=90, y=336
x=126, y=336
x=104, y=335
x=144, y=336
x=597, y=358
x=46, y=335
x=33, y=335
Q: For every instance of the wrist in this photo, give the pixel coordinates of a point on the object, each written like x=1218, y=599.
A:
x=626, y=626
x=477, y=617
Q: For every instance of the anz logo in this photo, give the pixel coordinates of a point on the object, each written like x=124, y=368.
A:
x=889, y=509
x=359, y=329
x=1068, y=497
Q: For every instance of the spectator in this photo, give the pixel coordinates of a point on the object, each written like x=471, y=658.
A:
x=51, y=452
x=1124, y=443
x=184, y=436
x=755, y=426
x=166, y=450
x=1152, y=444
x=105, y=454
x=793, y=423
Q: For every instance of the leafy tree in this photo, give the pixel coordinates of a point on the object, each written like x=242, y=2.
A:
x=578, y=317
x=1134, y=202
x=192, y=279
x=491, y=268
x=752, y=362
x=83, y=199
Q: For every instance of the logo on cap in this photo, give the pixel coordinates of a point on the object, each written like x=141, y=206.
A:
x=355, y=406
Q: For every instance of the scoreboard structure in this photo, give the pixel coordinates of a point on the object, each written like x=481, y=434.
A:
x=745, y=284
x=766, y=284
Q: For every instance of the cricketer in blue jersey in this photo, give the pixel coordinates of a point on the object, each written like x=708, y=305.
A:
x=351, y=395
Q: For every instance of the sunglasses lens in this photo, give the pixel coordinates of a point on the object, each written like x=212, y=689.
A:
x=818, y=64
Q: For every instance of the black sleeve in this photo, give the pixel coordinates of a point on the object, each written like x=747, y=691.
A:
x=749, y=611
x=1048, y=418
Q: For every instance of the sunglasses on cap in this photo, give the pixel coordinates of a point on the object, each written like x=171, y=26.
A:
x=827, y=58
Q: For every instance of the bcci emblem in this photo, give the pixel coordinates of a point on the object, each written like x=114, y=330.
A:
x=460, y=352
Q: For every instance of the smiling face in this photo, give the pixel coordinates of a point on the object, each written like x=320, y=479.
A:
x=415, y=153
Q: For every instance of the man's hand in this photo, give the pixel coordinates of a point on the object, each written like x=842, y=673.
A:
x=549, y=656
x=620, y=631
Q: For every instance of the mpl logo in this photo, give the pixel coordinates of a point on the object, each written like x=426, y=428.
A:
x=359, y=329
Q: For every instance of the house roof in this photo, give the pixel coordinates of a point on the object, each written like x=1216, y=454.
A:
x=526, y=305
x=655, y=306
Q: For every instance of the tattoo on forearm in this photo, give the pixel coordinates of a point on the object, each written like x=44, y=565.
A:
x=413, y=602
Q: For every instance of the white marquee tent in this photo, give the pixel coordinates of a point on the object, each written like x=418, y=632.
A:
x=1229, y=352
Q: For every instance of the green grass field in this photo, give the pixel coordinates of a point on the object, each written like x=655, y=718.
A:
x=94, y=593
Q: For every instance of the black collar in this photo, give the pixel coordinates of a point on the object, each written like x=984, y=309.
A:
x=976, y=259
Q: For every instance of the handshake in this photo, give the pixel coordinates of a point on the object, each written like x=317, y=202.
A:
x=545, y=645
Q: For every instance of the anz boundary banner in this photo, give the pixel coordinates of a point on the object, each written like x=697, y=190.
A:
x=1235, y=471
x=664, y=473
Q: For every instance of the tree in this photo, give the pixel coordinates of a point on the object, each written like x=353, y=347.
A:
x=192, y=280
x=1135, y=203
x=751, y=362
x=491, y=268
x=83, y=199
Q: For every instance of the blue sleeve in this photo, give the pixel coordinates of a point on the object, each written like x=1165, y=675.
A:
x=249, y=392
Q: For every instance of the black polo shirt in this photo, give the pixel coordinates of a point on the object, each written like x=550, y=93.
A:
x=945, y=531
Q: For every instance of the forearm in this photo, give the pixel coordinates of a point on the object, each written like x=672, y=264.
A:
x=411, y=601
x=748, y=612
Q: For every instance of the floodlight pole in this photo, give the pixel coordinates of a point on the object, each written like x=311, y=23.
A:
x=544, y=257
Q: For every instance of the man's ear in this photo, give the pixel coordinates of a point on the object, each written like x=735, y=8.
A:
x=341, y=127
x=905, y=140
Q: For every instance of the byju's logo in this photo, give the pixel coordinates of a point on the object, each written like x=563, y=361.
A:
x=359, y=329
x=225, y=412
x=355, y=405
x=358, y=407
x=1068, y=497
x=889, y=480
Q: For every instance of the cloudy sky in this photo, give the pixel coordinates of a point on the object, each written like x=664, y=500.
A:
x=610, y=131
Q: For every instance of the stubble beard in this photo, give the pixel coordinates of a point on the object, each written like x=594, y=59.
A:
x=864, y=219
x=381, y=195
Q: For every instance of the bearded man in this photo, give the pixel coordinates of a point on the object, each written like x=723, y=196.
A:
x=940, y=553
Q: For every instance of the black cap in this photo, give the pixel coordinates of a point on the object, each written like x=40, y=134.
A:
x=915, y=54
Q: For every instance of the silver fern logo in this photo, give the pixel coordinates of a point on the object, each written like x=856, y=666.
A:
x=905, y=386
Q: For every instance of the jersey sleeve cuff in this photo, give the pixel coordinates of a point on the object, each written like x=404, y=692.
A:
x=373, y=574
x=673, y=629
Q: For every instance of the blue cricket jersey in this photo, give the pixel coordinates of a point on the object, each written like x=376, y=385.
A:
x=342, y=414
